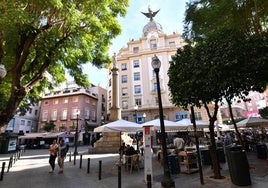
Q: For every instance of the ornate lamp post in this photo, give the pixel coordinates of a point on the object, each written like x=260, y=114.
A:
x=3, y=72
x=167, y=181
x=144, y=116
x=136, y=110
x=136, y=120
x=76, y=133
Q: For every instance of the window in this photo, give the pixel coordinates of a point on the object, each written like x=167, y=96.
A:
x=29, y=123
x=135, y=49
x=44, y=116
x=54, y=115
x=75, y=111
x=56, y=101
x=36, y=112
x=198, y=116
x=172, y=44
x=155, y=87
x=65, y=100
x=75, y=99
x=110, y=82
x=87, y=100
x=46, y=103
x=125, y=118
x=93, y=116
x=110, y=94
x=138, y=102
x=22, y=122
x=124, y=79
x=181, y=115
x=124, y=92
x=153, y=44
x=137, y=89
x=125, y=104
x=86, y=114
x=136, y=63
x=124, y=66
x=137, y=76
x=64, y=114
x=30, y=110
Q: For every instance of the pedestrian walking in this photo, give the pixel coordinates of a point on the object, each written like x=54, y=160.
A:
x=53, y=154
x=61, y=155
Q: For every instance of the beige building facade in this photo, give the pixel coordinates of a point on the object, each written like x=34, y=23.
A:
x=137, y=79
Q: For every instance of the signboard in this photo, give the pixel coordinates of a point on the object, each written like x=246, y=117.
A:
x=147, y=153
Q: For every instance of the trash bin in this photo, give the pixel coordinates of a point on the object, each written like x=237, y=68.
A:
x=173, y=164
x=221, y=155
x=205, y=156
x=261, y=151
x=238, y=165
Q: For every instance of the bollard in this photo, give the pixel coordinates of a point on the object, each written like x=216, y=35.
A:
x=2, y=171
x=74, y=159
x=88, y=165
x=81, y=156
x=149, y=181
x=119, y=176
x=9, y=164
x=70, y=157
x=100, y=169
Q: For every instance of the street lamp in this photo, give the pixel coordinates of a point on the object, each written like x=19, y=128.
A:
x=136, y=120
x=136, y=109
x=144, y=116
x=167, y=181
x=3, y=72
x=76, y=133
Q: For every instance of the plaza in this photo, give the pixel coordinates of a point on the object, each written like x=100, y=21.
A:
x=31, y=170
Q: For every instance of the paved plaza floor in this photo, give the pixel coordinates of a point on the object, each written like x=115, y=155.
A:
x=31, y=171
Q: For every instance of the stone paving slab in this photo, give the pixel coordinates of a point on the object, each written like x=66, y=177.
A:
x=31, y=171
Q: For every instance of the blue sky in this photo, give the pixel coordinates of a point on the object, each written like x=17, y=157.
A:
x=170, y=16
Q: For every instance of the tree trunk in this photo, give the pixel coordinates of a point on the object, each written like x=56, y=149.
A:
x=235, y=126
x=212, y=148
x=213, y=153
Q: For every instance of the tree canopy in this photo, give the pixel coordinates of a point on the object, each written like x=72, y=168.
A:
x=226, y=56
x=41, y=38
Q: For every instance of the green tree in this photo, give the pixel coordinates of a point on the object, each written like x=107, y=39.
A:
x=40, y=38
x=49, y=126
x=205, y=17
x=264, y=112
x=217, y=69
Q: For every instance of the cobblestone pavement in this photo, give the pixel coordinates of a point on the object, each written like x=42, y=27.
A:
x=31, y=171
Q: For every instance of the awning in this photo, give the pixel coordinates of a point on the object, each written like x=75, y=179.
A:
x=46, y=135
x=91, y=124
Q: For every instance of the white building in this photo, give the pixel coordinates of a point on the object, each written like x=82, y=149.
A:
x=137, y=79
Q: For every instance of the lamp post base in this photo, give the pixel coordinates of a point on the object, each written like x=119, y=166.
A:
x=167, y=182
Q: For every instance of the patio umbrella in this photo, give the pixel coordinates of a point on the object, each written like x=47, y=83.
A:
x=119, y=126
x=187, y=122
x=253, y=122
x=169, y=125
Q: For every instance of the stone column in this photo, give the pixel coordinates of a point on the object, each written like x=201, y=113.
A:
x=115, y=111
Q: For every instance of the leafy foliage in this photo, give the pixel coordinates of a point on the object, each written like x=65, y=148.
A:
x=264, y=112
x=49, y=126
x=42, y=40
